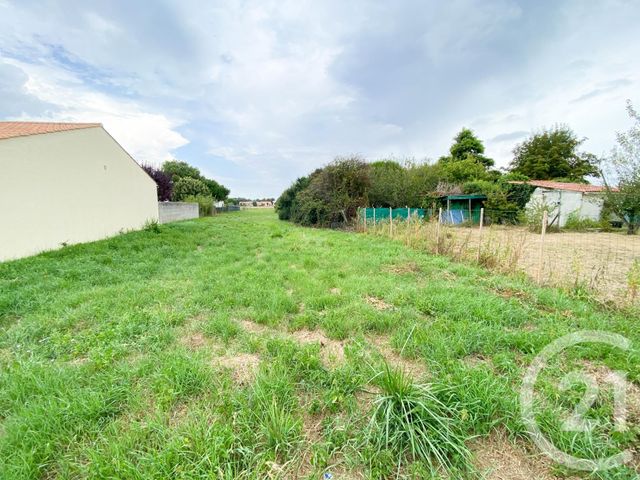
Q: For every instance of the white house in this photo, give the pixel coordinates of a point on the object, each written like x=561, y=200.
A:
x=585, y=200
x=65, y=183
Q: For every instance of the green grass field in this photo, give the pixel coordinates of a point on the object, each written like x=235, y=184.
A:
x=240, y=346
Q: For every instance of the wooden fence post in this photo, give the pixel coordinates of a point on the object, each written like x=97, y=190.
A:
x=365, y=218
x=374, y=216
x=542, y=234
x=390, y=221
x=480, y=233
x=438, y=231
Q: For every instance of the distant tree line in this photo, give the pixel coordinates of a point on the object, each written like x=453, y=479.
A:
x=334, y=193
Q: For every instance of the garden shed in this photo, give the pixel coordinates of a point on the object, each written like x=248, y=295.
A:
x=461, y=208
x=66, y=183
x=583, y=200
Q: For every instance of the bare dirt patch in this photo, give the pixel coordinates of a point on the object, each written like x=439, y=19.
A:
x=476, y=360
x=331, y=351
x=335, y=291
x=366, y=397
x=414, y=368
x=253, y=327
x=5, y=354
x=78, y=361
x=499, y=459
x=194, y=340
x=312, y=427
x=190, y=337
x=178, y=414
x=377, y=303
x=509, y=293
x=603, y=374
x=403, y=268
x=243, y=366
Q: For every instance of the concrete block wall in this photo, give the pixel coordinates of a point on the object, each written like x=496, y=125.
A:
x=174, y=211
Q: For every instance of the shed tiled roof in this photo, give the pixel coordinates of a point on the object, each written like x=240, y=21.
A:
x=22, y=129
x=573, y=187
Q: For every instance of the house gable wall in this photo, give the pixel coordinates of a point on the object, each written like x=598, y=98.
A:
x=69, y=187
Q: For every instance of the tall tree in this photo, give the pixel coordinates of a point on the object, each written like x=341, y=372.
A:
x=623, y=166
x=461, y=171
x=218, y=191
x=177, y=170
x=467, y=146
x=554, y=155
x=188, y=187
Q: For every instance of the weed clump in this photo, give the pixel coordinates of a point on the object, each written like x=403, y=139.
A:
x=411, y=423
x=152, y=226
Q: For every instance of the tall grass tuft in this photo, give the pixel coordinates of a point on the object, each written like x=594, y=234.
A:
x=280, y=430
x=413, y=423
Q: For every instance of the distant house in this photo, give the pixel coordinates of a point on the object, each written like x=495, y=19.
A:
x=66, y=183
x=583, y=199
x=256, y=203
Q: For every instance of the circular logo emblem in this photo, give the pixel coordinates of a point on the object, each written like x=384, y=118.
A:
x=576, y=422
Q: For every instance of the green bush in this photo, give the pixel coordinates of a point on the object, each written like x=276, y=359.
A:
x=205, y=204
x=287, y=204
x=331, y=194
x=579, y=224
x=189, y=187
x=178, y=170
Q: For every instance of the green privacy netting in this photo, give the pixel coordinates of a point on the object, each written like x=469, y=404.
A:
x=453, y=216
x=378, y=214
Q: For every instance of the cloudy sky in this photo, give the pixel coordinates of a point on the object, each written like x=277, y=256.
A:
x=258, y=93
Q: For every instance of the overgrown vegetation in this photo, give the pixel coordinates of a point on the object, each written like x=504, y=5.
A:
x=553, y=155
x=580, y=224
x=333, y=193
x=242, y=347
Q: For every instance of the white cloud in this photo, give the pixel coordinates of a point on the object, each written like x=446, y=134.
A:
x=268, y=90
x=148, y=137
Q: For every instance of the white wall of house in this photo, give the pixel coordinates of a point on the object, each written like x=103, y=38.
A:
x=69, y=187
x=591, y=207
x=588, y=205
